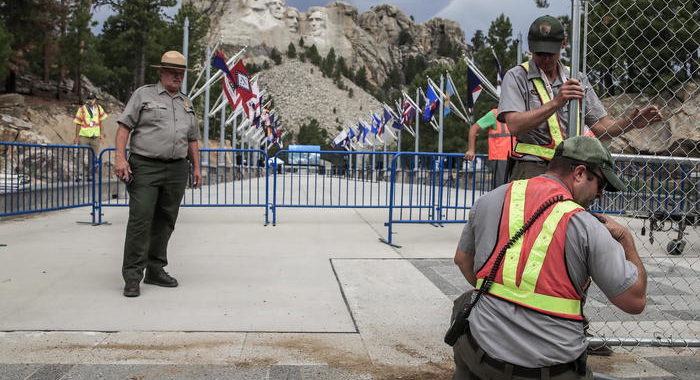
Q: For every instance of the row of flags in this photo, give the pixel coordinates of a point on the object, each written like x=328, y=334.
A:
x=378, y=126
x=354, y=137
x=244, y=95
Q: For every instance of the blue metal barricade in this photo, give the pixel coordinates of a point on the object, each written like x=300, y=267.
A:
x=330, y=179
x=36, y=178
x=655, y=184
x=434, y=189
x=414, y=187
x=230, y=178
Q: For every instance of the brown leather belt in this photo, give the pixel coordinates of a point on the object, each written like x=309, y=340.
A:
x=534, y=373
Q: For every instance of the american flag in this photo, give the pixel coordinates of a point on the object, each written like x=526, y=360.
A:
x=408, y=112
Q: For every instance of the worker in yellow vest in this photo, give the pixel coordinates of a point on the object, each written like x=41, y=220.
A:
x=88, y=124
x=534, y=98
x=500, y=146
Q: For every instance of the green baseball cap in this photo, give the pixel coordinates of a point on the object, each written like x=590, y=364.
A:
x=546, y=35
x=589, y=151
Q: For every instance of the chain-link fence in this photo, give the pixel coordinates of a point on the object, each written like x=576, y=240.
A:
x=637, y=54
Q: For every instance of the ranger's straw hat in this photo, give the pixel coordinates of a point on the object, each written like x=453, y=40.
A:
x=172, y=60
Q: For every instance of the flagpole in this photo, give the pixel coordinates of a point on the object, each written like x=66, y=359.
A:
x=206, y=109
x=576, y=10
x=442, y=110
x=415, y=164
x=185, y=48
x=234, y=138
x=222, y=135
x=384, y=160
x=398, y=149
x=459, y=98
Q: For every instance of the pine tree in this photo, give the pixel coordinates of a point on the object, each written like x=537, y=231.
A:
x=132, y=34
x=275, y=56
x=5, y=50
x=291, y=51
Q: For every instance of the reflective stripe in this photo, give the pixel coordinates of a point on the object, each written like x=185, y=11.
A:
x=516, y=220
x=492, y=135
x=555, y=136
x=524, y=294
x=538, y=252
x=550, y=304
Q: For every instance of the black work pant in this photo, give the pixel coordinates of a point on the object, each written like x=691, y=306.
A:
x=527, y=169
x=499, y=172
x=155, y=194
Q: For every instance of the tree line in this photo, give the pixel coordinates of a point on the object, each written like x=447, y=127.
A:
x=54, y=40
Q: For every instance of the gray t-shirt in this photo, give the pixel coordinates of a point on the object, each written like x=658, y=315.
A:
x=161, y=125
x=518, y=94
x=525, y=337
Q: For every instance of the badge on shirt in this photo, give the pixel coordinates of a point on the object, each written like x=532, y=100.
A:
x=187, y=105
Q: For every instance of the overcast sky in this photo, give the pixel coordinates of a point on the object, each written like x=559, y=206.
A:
x=470, y=14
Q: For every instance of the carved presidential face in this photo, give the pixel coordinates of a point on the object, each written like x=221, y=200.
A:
x=276, y=8
x=317, y=22
x=256, y=5
x=292, y=20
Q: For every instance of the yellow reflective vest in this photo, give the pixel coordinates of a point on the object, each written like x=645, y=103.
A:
x=90, y=120
x=556, y=135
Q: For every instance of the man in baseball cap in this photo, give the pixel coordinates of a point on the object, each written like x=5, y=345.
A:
x=546, y=35
x=534, y=276
x=534, y=99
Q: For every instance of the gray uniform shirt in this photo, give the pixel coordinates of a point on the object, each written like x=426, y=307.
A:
x=161, y=125
x=518, y=94
x=525, y=337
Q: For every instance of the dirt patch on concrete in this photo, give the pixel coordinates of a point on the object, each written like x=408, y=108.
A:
x=337, y=357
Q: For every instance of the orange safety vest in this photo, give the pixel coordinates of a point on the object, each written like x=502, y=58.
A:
x=500, y=140
x=533, y=273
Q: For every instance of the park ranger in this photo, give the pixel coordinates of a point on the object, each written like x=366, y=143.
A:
x=534, y=98
x=162, y=125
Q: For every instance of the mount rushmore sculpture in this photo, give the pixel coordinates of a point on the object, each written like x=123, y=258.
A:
x=369, y=39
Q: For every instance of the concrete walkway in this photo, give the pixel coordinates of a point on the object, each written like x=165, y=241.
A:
x=315, y=297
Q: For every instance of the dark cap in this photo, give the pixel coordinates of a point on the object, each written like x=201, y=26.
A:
x=589, y=151
x=546, y=35
x=91, y=96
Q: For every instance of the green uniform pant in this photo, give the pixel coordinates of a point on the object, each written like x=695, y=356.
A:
x=470, y=363
x=155, y=194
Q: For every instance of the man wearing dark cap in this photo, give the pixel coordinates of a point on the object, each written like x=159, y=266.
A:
x=534, y=98
x=529, y=323
x=162, y=125
x=88, y=124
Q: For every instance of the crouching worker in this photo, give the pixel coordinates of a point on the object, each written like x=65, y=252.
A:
x=534, y=259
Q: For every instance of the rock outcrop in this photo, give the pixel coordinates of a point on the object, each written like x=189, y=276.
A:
x=301, y=92
x=380, y=39
x=677, y=135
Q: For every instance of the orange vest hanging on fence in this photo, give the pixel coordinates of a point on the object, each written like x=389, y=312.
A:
x=500, y=140
x=533, y=273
